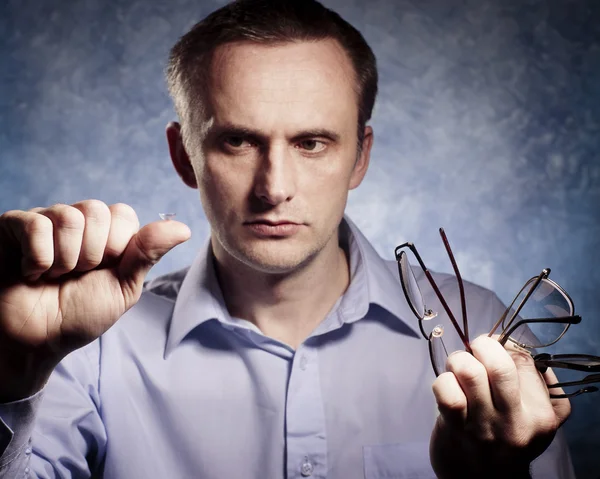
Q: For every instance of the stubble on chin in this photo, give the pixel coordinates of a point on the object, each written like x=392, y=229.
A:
x=273, y=257
x=270, y=256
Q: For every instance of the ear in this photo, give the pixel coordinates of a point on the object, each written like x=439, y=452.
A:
x=179, y=157
x=362, y=162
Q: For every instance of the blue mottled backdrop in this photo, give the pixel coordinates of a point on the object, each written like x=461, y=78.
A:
x=488, y=123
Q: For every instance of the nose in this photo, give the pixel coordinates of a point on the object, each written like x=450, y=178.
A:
x=275, y=180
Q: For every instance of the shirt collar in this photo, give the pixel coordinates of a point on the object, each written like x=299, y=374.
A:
x=373, y=281
x=199, y=299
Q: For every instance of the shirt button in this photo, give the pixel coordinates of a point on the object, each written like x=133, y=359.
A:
x=307, y=468
x=28, y=450
x=303, y=362
x=26, y=470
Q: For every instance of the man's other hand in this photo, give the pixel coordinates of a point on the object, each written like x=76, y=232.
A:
x=496, y=415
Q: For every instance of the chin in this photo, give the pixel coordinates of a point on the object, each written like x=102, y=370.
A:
x=271, y=258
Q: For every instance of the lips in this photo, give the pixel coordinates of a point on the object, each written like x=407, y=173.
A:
x=274, y=223
x=273, y=228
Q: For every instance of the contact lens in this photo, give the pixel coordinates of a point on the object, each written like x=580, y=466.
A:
x=167, y=216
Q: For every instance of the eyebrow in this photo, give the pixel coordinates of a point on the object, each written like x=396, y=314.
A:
x=231, y=129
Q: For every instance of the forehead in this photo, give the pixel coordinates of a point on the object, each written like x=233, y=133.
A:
x=257, y=83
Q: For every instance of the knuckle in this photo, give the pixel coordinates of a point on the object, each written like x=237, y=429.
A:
x=9, y=214
x=521, y=358
x=471, y=375
x=38, y=225
x=40, y=261
x=95, y=210
x=500, y=371
x=453, y=403
x=90, y=258
x=63, y=265
x=88, y=262
x=516, y=439
x=455, y=360
x=151, y=256
x=565, y=409
x=12, y=218
x=67, y=217
x=547, y=422
x=124, y=211
x=467, y=370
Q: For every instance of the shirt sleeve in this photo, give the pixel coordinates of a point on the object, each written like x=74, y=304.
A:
x=59, y=431
x=16, y=425
x=555, y=462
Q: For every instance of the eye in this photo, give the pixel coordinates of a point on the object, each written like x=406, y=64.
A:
x=236, y=141
x=314, y=146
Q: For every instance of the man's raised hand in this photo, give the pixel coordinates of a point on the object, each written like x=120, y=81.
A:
x=67, y=274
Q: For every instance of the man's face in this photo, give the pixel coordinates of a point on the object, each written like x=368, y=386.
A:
x=275, y=153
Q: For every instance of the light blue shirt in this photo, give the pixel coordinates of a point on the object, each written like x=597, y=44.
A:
x=178, y=389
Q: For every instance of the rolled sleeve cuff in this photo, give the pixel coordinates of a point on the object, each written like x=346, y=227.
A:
x=17, y=420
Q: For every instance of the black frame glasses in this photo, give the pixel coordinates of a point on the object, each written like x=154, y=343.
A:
x=577, y=362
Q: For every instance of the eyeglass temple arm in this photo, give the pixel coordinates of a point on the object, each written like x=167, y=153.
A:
x=590, y=379
x=438, y=294
x=589, y=389
x=544, y=274
x=575, y=362
x=576, y=319
x=461, y=288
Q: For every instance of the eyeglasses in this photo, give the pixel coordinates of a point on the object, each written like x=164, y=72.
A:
x=539, y=316
x=441, y=336
x=577, y=362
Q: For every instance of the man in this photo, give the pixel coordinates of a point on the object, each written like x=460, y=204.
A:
x=287, y=348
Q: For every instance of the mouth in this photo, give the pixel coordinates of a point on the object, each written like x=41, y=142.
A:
x=273, y=228
x=273, y=222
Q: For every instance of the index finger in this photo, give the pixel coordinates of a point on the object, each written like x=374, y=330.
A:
x=502, y=373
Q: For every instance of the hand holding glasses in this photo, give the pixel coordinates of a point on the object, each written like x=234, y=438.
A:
x=539, y=316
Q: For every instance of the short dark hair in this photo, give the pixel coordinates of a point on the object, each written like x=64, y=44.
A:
x=268, y=22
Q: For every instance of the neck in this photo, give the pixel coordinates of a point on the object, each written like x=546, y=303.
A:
x=286, y=307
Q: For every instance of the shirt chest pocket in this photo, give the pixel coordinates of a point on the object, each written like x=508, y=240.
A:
x=398, y=461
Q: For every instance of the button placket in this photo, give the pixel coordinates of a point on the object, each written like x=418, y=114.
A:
x=306, y=433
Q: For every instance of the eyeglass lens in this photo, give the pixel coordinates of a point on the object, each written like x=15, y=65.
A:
x=547, y=301
x=409, y=281
x=438, y=351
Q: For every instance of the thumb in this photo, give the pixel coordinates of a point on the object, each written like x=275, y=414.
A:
x=144, y=250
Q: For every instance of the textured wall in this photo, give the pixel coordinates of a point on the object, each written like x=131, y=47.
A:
x=488, y=123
